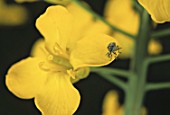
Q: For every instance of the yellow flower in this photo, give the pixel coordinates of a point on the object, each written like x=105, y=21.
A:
x=111, y=105
x=159, y=9
x=120, y=13
x=12, y=14
x=155, y=47
x=62, y=57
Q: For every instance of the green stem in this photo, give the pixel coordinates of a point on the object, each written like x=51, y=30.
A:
x=137, y=6
x=157, y=59
x=114, y=80
x=161, y=33
x=157, y=86
x=136, y=85
x=119, y=72
x=102, y=19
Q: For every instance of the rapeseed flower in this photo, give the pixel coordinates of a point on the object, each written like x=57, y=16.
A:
x=60, y=59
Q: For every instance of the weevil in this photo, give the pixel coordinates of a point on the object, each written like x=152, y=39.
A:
x=112, y=48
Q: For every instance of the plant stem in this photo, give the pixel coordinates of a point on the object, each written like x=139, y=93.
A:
x=157, y=59
x=161, y=33
x=157, y=86
x=136, y=85
x=102, y=19
x=113, y=71
x=114, y=80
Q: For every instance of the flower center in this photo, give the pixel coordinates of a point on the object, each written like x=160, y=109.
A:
x=60, y=52
x=60, y=61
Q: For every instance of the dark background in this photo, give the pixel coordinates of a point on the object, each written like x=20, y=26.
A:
x=16, y=43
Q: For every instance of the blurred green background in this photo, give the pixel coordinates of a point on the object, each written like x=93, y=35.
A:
x=16, y=43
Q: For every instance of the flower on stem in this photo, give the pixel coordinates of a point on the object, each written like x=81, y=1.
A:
x=121, y=13
x=158, y=9
x=12, y=14
x=111, y=105
x=58, y=60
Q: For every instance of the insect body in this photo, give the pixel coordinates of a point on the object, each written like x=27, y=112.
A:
x=112, y=48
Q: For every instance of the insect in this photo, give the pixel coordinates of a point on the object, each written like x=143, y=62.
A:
x=112, y=48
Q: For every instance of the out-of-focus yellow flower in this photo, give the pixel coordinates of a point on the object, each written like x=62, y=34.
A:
x=111, y=105
x=155, y=47
x=63, y=56
x=12, y=14
x=121, y=14
x=50, y=1
x=159, y=9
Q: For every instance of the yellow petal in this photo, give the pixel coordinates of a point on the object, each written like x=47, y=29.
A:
x=12, y=14
x=92, y=51
x=100, y=27
x=58, y=96
x=25, y=78
x=55, y=25
x=117, y=10
x=110, y=104
x=159, y=9
x=39, y=50
x=82, y=22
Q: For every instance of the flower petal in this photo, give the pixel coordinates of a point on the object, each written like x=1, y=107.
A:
x=159, y=9
x=117, y=10
x=39, y=50
x=82, y=22
x=111, y=104
x=25, y=78
x=58, y=96
x=92, y=51
x=55, y=25
x=100, y=27
x=12, y=14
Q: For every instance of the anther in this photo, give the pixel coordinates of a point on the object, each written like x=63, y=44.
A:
x=43, y=66
x=58, y=49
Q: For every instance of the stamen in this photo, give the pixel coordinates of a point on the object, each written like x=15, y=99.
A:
x=58, y=49
x=43, y=66
x=71, y=73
